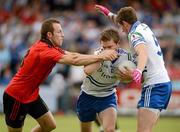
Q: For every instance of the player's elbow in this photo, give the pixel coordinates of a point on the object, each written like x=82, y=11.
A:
x=87, y=71
x=76, y=62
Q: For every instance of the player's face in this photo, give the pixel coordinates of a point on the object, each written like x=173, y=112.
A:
x=58, y=35
x=109, y=45
x=124, y=26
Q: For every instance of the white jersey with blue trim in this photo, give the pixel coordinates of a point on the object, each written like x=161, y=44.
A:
x=103, y=82
x=155, y=71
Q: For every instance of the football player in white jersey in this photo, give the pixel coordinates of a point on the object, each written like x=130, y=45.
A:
x=98, y=95
x=151, y=72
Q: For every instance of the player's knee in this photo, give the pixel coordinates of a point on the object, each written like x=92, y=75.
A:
x=109, y=129
x=52, y=126
x=10, y=129
x=49, y=126
x=143, y=130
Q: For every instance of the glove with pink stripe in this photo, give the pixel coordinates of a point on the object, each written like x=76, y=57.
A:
x=137, y=75
x=102, y=9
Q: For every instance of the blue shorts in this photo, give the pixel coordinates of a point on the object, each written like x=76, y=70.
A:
x=88, y=106
x=156, y=96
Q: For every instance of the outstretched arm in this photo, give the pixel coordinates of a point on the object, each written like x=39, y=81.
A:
x=82, y=59
x=111, y=16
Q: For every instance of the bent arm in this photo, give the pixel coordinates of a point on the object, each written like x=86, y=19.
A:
x=89, y=69
x=141, y=51
x=112, y=17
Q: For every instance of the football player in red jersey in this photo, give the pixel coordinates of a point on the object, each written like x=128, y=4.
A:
x=21, y=97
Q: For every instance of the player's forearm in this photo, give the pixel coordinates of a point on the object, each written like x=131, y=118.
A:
x=104, y=10
x=142, y=58
x=89, y=69
x=81, y=59
x=112, y=17
x=77, y=59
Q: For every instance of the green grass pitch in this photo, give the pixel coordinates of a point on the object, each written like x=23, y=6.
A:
x=70, y=123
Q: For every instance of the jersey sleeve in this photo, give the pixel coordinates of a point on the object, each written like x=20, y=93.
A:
x=54, y=54
x=136, y=38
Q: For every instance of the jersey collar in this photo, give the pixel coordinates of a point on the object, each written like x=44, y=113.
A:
x=133, y=27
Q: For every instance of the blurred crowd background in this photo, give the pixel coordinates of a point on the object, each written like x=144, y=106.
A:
x=20, y=23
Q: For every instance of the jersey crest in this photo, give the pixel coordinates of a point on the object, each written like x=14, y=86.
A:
x=136, y=38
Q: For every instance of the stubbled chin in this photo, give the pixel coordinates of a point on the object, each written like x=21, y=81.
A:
x=60, y=44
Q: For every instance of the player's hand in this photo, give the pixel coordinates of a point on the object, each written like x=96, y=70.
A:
x=137, y=74
x=108, y=55
x=102, y=9
x=124, y=74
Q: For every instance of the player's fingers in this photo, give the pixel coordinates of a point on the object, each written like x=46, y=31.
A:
x=97, y=6
x=128, y=70
x=122, y=72
x=113, y=56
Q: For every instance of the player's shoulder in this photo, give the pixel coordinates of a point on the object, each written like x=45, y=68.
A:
x=137, y=32
x=139, y=28
x=135, y=36
x=46, y=49
x=45, y=45
x=40, y=45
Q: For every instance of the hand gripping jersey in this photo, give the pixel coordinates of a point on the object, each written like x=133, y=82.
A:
x=103, y=82
x=155, y=71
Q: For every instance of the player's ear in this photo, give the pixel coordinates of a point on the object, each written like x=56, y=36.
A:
x=118, y=43
x=49, y=34
x=123, y=23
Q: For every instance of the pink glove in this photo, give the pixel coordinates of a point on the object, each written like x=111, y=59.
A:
x=137, y=75
x=102, y=9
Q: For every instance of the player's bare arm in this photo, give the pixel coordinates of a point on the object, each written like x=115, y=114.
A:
x=82, y=59
x=106, y=12
x=141, y=51
x=89, y=69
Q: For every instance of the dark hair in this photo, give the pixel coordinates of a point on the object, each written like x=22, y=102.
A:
x=47, y=26
x=127, y=14
x=109, y=34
